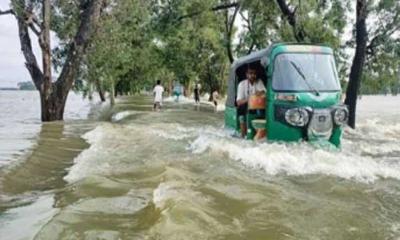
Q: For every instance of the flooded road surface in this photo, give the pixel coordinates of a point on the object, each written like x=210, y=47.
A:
x=177, y=174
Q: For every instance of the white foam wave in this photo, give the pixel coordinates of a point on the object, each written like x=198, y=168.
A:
x=109, y=144
x=220, y=107
x=121, y=115
x=182, y=99
x=203, y=100
x=112, y=205
x=362, y=158
x=176, y=199
x=379, y=149
x=170, y=134
x=162, y=193
x=395, y=230
x=175, y=191
x=298, y=159
x=179, y=132
x=376, y=129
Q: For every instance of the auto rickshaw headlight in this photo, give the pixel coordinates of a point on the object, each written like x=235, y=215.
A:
x=297, y=117
x=340, y=115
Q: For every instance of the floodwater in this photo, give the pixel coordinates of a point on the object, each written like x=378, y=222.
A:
x=130, y=173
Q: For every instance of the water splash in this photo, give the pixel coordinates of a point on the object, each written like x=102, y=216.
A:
x=303, y=159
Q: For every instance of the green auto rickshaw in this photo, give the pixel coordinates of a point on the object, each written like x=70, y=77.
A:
x=302, y=97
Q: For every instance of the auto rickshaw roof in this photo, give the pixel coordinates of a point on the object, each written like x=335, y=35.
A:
x=255, y=56
x=263, y=54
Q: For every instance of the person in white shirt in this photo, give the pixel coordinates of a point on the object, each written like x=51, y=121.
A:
x=158, y=92
x=246, y=88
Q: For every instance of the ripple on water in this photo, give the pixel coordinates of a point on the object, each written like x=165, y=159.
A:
x=177, y=175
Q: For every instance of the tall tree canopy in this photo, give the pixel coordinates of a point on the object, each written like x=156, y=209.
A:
x=141, y=41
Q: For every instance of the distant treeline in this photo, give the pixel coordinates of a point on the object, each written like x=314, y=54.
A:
x=26, y=85
x=21, y=86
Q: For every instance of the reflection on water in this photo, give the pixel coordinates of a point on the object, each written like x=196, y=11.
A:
x=49, y=159
x=20, y=121
x=177, y=174
x=33, y=159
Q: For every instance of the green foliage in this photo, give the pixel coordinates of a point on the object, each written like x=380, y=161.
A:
x=322, y=21
x=382, y=71
x=191, y=48
x=141, y=41
x=121, y=46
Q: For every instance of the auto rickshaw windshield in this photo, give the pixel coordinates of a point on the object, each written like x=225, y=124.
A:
x=305, y=72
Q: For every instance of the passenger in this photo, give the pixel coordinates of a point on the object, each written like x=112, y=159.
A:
x=158, y=92
x=250, y=86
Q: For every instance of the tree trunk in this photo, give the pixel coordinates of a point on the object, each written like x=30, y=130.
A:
x=112, y=94
x=229, y=24
x=101, y=95
x=358, y=61
x=298, y=32
x=116, y=90
x=44, y=42
x=30, y=59
x=100, y=90
x=88, y=22
x=53, y=105
x=54, y=94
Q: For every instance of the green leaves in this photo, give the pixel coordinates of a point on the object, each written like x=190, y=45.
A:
x=173, y=40
x=122, y=43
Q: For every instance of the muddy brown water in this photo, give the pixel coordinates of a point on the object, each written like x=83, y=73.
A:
x=130, y=173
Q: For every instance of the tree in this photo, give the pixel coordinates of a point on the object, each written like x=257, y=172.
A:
x=53, y=95
x=377, y=55
x=290, y=14
x=377, y=50
x=383, y=49
x=262, y=26
x=192, y=45
x=229, y=29
x=358, y=60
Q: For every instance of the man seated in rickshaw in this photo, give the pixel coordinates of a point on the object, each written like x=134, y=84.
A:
x=246, y=88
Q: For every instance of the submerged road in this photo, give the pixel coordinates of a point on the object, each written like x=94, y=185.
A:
x=131, y=173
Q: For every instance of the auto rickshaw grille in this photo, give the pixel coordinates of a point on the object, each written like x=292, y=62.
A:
x=320, y=125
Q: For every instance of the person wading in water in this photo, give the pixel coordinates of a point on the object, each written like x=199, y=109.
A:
x=197, y=93
x=158, y=92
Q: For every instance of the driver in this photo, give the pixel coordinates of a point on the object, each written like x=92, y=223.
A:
x=250, y=86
